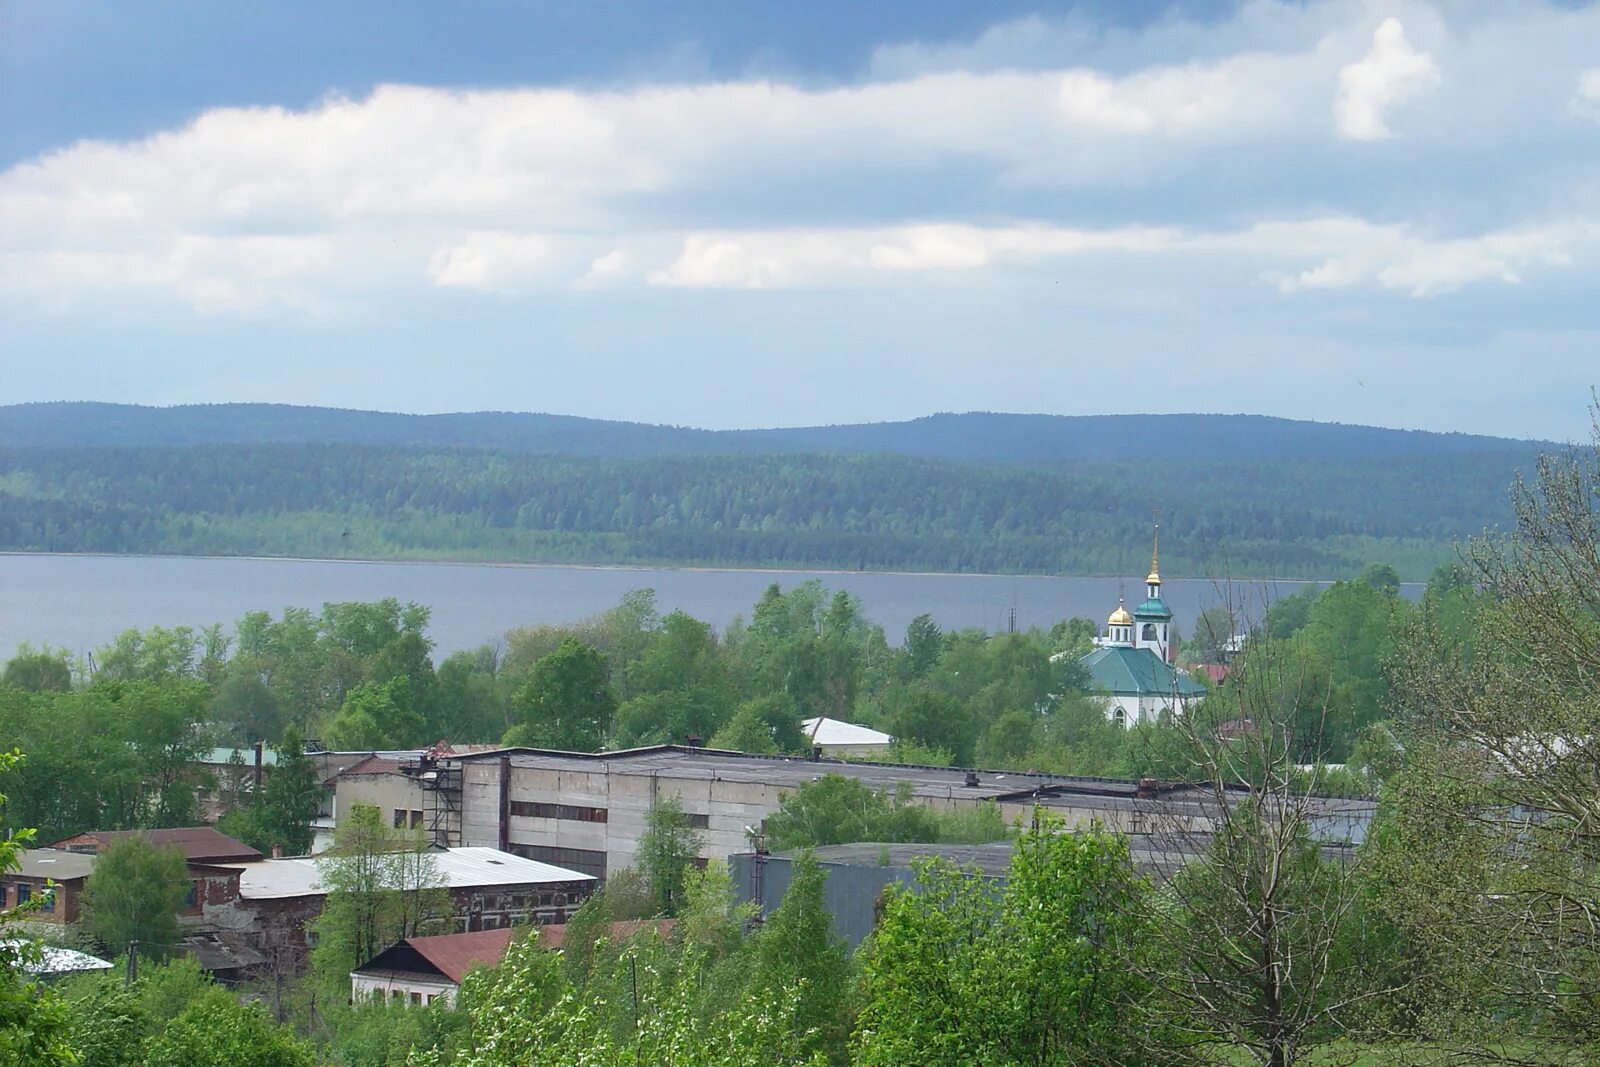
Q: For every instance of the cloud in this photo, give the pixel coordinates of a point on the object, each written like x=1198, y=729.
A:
x=1354, y=253
x=1585, y=101
x=1330, y=253
x=786, y=258
x=490, y=260
x=1391, y=72
x=1037, y=142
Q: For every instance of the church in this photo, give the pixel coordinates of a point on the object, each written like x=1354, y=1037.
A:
x=1133, y=662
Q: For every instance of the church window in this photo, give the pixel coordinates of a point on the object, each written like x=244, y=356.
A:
x=1120, y=716
x=1150, y=631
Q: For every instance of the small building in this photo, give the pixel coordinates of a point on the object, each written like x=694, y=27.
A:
x=56, y=962
x=489, y=890
x=39, y=867
x=420, y=970
x=846, y=739
x=199, y=844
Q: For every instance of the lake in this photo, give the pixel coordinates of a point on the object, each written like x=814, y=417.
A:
x=82, y=602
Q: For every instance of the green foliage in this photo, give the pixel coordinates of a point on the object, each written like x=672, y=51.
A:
x=797, y=949
x=38, y=670
x=287, y=805
x=1037, y=973
x=33, y=1020
x=765, y=725
x=835, y=810
x=378, y=715
x=134, y=895
x=566, y=701
x=667, y=850
x=218, y=1030
x=938, y=721
x=526, y=1014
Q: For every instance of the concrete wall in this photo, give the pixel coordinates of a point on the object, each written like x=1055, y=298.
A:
x=386, y=792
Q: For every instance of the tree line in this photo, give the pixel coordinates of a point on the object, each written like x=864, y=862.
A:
x=1280, y=518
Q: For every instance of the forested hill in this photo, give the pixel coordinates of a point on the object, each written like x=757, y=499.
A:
x=1239, y=517
x=975, y=436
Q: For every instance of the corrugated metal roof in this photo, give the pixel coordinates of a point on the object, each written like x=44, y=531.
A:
x=1122, y=670
x=222, y=756
x=459, y=868
x=453, y=955
x=823, y=731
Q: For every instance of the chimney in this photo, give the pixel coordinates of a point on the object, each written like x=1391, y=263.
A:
x=277, y=852
x=1147, y=788
x=504, y=842
x=971, y=780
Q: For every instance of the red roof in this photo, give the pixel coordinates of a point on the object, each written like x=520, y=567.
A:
x=373, y=765
x=199, y=844
x=456, y=954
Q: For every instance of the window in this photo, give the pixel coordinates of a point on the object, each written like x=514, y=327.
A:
x=1150, y=631
x=191, y=894
x=525, y=809
x=582, y=860
x=416, y=818
x=47, y=901
x=24, y=892
x=416, y=998
x=699, y=822
x=400, y=818
x=1120, y=716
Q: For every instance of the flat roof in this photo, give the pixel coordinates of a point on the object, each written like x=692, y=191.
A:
x=56, y=863
x=459, y=868
x=930, y=783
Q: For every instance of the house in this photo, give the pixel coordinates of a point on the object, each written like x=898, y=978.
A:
x=846, y=739
x=419, y=970
x=38, y=868
x=208, y=853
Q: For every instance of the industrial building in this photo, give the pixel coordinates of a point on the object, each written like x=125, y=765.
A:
x=587, y=811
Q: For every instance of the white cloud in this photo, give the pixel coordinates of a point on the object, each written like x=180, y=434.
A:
x=490, y=260
x=1109, y=141
x=1585, y=101
x=1354, y=253
x=784, y=258
x=1391, y=72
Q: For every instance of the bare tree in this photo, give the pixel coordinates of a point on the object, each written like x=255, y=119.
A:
x=1263, y=883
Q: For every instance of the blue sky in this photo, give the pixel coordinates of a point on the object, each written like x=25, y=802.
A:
x=740, y=214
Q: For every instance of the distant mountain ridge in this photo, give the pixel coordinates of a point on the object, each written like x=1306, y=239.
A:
x=972, y=436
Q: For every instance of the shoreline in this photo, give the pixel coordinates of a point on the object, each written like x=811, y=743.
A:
x=686, y=568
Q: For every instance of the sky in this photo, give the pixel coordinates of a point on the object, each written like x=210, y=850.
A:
x=735, y=214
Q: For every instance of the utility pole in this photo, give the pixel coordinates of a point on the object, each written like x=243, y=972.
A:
x=133, y=964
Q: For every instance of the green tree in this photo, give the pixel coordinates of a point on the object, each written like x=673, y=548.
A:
x=797, y=949
x=218, y=1030
x=667, y=850
x=38, y=670
x=378, y=716
x=565, y=703
x=381, y=886
x=836, y=810
x=924, y=644
x=134, y=895
x=33, y=1020
x=244, y=708
x=281, y=816
x=765, y=725
x=934, y=719
x=1037, y=973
